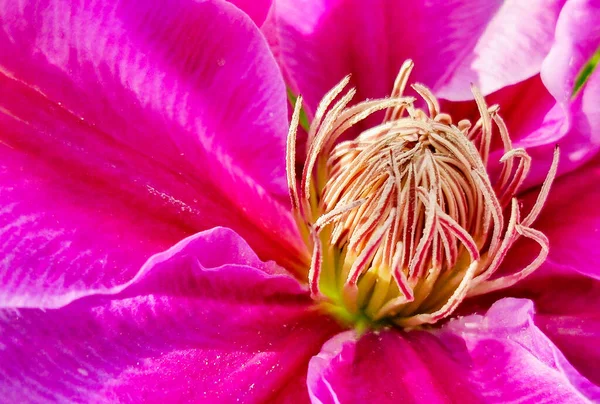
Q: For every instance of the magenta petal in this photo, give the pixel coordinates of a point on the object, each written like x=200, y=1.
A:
x=161, y=80
x=205, y=320
x=539, y=118
x=453, y=43
x=509, y=46
x=500, y=357
x=131, y=113
x=64, y=236
x=566, y=288
x=511, y=358
x=577, y=38
x=568, y=311
x=256, y=9
x=571, y=318
x=387, y=367
x=571, y=220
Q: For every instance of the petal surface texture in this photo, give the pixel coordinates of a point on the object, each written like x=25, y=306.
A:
x=500, y=357
x=204, y=320
x=577, y=39
x=127, y=126
x=492, y=44
x=256, y=9
x=567, y=310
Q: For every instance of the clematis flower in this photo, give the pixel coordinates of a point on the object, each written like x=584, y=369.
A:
x=150, y=250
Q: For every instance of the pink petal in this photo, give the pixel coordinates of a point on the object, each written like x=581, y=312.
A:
x=572, y=321
x=256, y=9
x=566, y=288
x=575, y=42
x=65, y=236
x=204, y=320
x=568, y=311
x=493, y=44
x=499, y=357
x=545, y=113
x=387, y=367
x=509, y=49
x=512, y=359
x=577, y=38
x=124, y=113
x=136, y=70
x=571, y=220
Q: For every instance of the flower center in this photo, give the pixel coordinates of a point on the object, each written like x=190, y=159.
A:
x=403, y=221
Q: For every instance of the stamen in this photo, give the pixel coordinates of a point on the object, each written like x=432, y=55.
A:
x=316, y=263
x=510, y=280
x=336, y=214
x=324, y=105
x=432, y=102
x=419, y=257
x=398, y=90
x=404, y=221
x=290, y=156
x=509, y=238
x=486, y=138
x=543, y=195
x=520, y=175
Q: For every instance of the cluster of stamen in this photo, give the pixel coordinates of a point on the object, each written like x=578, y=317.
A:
x=403, y=221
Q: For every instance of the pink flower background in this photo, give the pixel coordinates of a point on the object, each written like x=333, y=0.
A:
x=146, y=241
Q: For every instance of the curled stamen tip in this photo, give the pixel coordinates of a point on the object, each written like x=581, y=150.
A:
x=464, y=125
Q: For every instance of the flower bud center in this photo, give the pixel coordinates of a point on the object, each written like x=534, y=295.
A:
x=403, y=221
